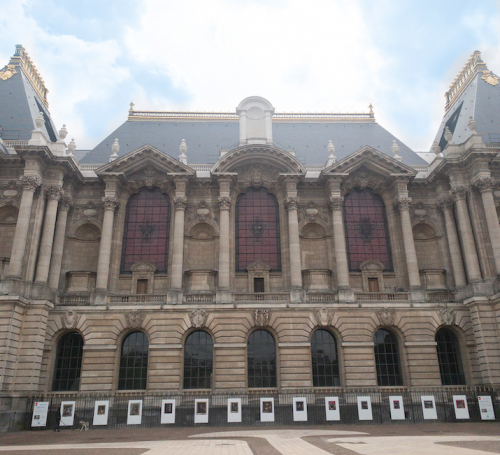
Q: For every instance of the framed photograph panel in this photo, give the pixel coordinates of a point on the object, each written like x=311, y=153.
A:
x=201, y=411
x=267, y=409
x=332, y=408
x=429, y=407
x=40, y=411
x=397, y=407
x=365, y=408
x=134, y=416
x=234, y=410
x=461, y=407
x=299, y=409
x=167, y=411
x=486, y=407
x=67, y=413
x=101, y=411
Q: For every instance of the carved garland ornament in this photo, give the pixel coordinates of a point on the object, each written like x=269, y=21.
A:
x=490, y=78
x=10, y=70
x=87, y=212
x=198, y=318
x=261, y=318
x=70, y=319
x=11, y=192
x=134, y=319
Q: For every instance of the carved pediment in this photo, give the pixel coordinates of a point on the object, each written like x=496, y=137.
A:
x=372, y=266
x=372, y=159
x=143, y=267
x=258, y=265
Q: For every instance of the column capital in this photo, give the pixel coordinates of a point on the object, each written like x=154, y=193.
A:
x=65, y=203
x=30, y=182
x=180, y=202
x=484, y=184
x=224, y=203
x=403, y=203
x=292, y=203
x=54, y=192
x=459, y=192
x=445, y=203
x=336, y=202
x=110, y=203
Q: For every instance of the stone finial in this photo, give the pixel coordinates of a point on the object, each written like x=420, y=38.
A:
x=72, y=148
x=395, y=151
x=115, y=148
x=39, y=121
x=448, y=135
x=63, y=132
x=331, y=154
x=183, y=149
x=436, y=149
x=472, y=125
x=131, y=107
x=371, y=108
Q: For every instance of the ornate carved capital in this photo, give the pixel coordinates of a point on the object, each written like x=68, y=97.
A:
x=336, y=202
x=65, y=203
x=70, y=319
x=261, y=317
x=54, y=192
x=30, y=182
x=110, y=203
x=198, y=318
x=459, y=193
x=447, y=316
x=323, y=316
x=134, y=319
x=403, y=203
x=180, y=202
x=484, y=184
x=292, y=203
x=224, y=203
x=445, y=203
x=386, y=316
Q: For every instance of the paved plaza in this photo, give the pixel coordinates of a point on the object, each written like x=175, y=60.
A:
x=417, y=439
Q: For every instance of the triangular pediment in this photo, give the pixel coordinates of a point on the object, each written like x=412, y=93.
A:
x=146, y=156
x=373, y=160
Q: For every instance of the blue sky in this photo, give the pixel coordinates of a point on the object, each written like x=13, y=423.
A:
x=320, y=55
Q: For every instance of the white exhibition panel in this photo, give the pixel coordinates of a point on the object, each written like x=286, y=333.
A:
x=134, y=416
x=365, y=408
x=486, y=407
x=461, y=408
x=332, y=408
x=67, y=413
x=267, y=409
x=101, y=410
x=167, y=411
x=429, y=407
x=40, y=411
x=201, y=411
x=397, y=407
x=234, y=410
x=299, y=409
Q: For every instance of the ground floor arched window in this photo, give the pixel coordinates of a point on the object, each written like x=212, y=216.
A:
x=261, y=353
x=387, y=359
x=134, y=362
x=325, y=362
x=449, y=358
x=198, y=360
x=68, y=365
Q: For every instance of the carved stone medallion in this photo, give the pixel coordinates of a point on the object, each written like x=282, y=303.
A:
x=134, y=319
x=386, y=316
x=198, y=318
x=261, y=317
x=323, y=316
x=447, y=316
x=70, y=319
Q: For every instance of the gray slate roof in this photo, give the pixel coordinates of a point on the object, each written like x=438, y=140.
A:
x=19, y=107
x=205, y=138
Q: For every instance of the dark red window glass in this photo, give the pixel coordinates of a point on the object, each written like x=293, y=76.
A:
x=257, y=229
x=367, y=236
x=146, y=232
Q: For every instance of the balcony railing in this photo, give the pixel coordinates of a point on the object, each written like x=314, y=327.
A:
x=318, y=297
x=262, y=297
x=74, y=300
x=199, y=298
x=382, y=296
x=138, y=298
x=441, y=296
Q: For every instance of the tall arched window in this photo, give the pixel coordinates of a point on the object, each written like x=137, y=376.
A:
x=146, y=233
x=325, y=363
x=198, y=360
x=367, y=236
x=68, y=363
x=387, y=359
x=450, y=361
x=261, y=352
x=134, y=362
x=257, y=229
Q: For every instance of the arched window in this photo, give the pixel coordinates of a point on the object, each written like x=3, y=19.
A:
x=198, y=360
x=450, y=362
x=257, y=229
x=146, y=233
x=261, y=352
x=325, y=363
x=134, y=362
x=367, y=236
x=68, y=363
x=387, y=359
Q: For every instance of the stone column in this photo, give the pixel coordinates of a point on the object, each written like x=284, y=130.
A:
x=180, y=204
x=54, y=193
x=485, y=186
x=336, y=204
x=294, y=244
x=470, y=254
x=446, y=205
x=30, y=184
x=59, y=237
x=224, y=258
x=410, y=252
x=110, y=205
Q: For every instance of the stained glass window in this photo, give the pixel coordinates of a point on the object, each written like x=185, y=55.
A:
x=198, y=360
x=146, y=231
x=367, y=236
x=450, y=362
x=134, y=362
x=387, y=359
x=261, y=352
x=325, y=363
x=68, y=363
x=257, y=229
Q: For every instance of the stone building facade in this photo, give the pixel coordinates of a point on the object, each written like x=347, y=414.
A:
x=339, y=259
